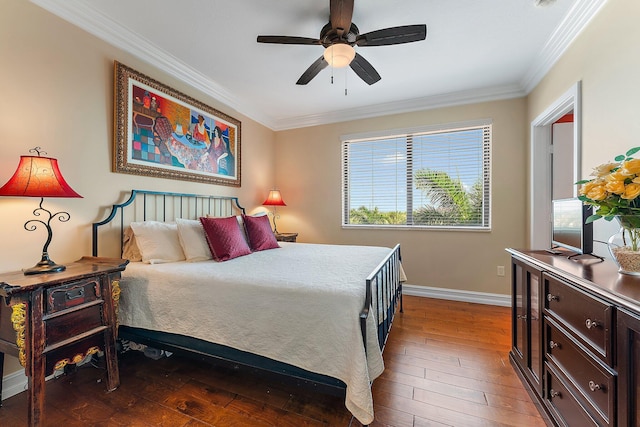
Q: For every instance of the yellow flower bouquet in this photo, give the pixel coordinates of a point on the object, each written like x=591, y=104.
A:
x=615, y=193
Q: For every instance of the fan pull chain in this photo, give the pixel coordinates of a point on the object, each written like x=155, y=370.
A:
x=345, y=80
x=332, y=66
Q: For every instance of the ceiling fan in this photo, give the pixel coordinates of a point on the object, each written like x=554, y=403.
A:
x=340, y=36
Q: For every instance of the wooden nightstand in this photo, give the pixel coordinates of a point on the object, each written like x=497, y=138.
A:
x=50, y=320
x=286, y=237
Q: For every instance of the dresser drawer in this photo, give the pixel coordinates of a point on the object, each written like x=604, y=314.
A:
x=595, y=383
x=73, y=323
x=72, y=294
x=587, y=317
x=563, y=405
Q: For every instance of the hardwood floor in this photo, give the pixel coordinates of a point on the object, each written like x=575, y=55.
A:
x=446, y=365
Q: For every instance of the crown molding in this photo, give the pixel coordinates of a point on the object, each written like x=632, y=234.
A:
x=406, y=106
x=571, y=26
x=80, y=14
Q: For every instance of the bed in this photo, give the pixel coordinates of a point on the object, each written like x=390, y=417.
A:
x=323, y=323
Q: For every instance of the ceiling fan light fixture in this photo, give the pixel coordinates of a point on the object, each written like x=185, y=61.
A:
x=339, y=55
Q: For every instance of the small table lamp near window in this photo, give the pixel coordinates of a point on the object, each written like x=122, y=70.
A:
x=274, y=199
x=38, y=176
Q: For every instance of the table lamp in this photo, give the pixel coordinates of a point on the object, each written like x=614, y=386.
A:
x=274, y=199
x=38, y=176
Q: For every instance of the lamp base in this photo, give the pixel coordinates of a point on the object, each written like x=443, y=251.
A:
x=44, y=266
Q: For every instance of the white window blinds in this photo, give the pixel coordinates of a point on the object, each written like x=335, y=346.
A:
x=435, y=177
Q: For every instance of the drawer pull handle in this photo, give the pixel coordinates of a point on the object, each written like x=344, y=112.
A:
x=553, y=393
x=590, y=324
x=551, y=297
x=553, y=344
x=522, y=316
x=74, y=294
x=593, y=386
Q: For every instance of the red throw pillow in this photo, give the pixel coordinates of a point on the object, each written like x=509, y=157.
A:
x=259, y=233
x=225, y=238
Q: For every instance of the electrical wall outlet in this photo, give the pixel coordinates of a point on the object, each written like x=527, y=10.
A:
x=501, y=270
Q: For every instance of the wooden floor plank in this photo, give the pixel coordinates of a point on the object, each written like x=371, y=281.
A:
x=446, y=364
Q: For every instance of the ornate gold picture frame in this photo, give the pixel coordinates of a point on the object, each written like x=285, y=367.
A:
x=164, y=133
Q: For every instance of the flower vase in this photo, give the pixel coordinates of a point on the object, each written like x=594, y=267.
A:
x=624, y=246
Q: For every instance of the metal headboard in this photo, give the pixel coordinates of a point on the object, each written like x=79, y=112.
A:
x=144, y=205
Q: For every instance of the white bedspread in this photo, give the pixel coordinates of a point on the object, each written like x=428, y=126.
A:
x=299, y=304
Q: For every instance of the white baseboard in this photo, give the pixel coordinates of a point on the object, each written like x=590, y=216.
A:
x=13, y=384
x=457, y=295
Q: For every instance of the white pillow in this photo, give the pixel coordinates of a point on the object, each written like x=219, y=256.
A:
x=158, y=241
x=193, y=240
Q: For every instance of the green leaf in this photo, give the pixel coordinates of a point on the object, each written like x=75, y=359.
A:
x=592, y=218
x=619, y=158
x=583, y=181
x=605, y=210
x=632, y=151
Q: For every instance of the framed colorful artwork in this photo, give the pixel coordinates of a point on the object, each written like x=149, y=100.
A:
x=161, y=132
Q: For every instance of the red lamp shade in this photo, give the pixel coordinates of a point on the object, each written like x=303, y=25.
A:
x=274, y=199
x=37, y=177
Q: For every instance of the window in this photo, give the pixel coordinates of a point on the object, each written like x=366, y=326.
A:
x=435, y=177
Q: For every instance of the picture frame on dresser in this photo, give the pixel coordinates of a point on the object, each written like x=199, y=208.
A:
x=161, y=132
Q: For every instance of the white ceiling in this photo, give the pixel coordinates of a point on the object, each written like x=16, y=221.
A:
x=475, y=50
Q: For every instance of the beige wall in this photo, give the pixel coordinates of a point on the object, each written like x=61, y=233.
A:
x=56, y=92
x=606, y=58
x=309, y=174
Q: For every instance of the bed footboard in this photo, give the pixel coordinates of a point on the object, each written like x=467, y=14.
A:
x=383, y=295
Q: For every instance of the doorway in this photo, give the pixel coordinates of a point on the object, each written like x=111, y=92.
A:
x=541, y=164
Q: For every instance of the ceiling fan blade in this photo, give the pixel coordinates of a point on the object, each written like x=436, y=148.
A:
x=319, y=65
x=288, y=40
x=364, y=70
x=340, y=15
x=393, y=35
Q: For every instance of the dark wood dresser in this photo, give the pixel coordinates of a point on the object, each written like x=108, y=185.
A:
x=576, y=338
x=50, y=320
